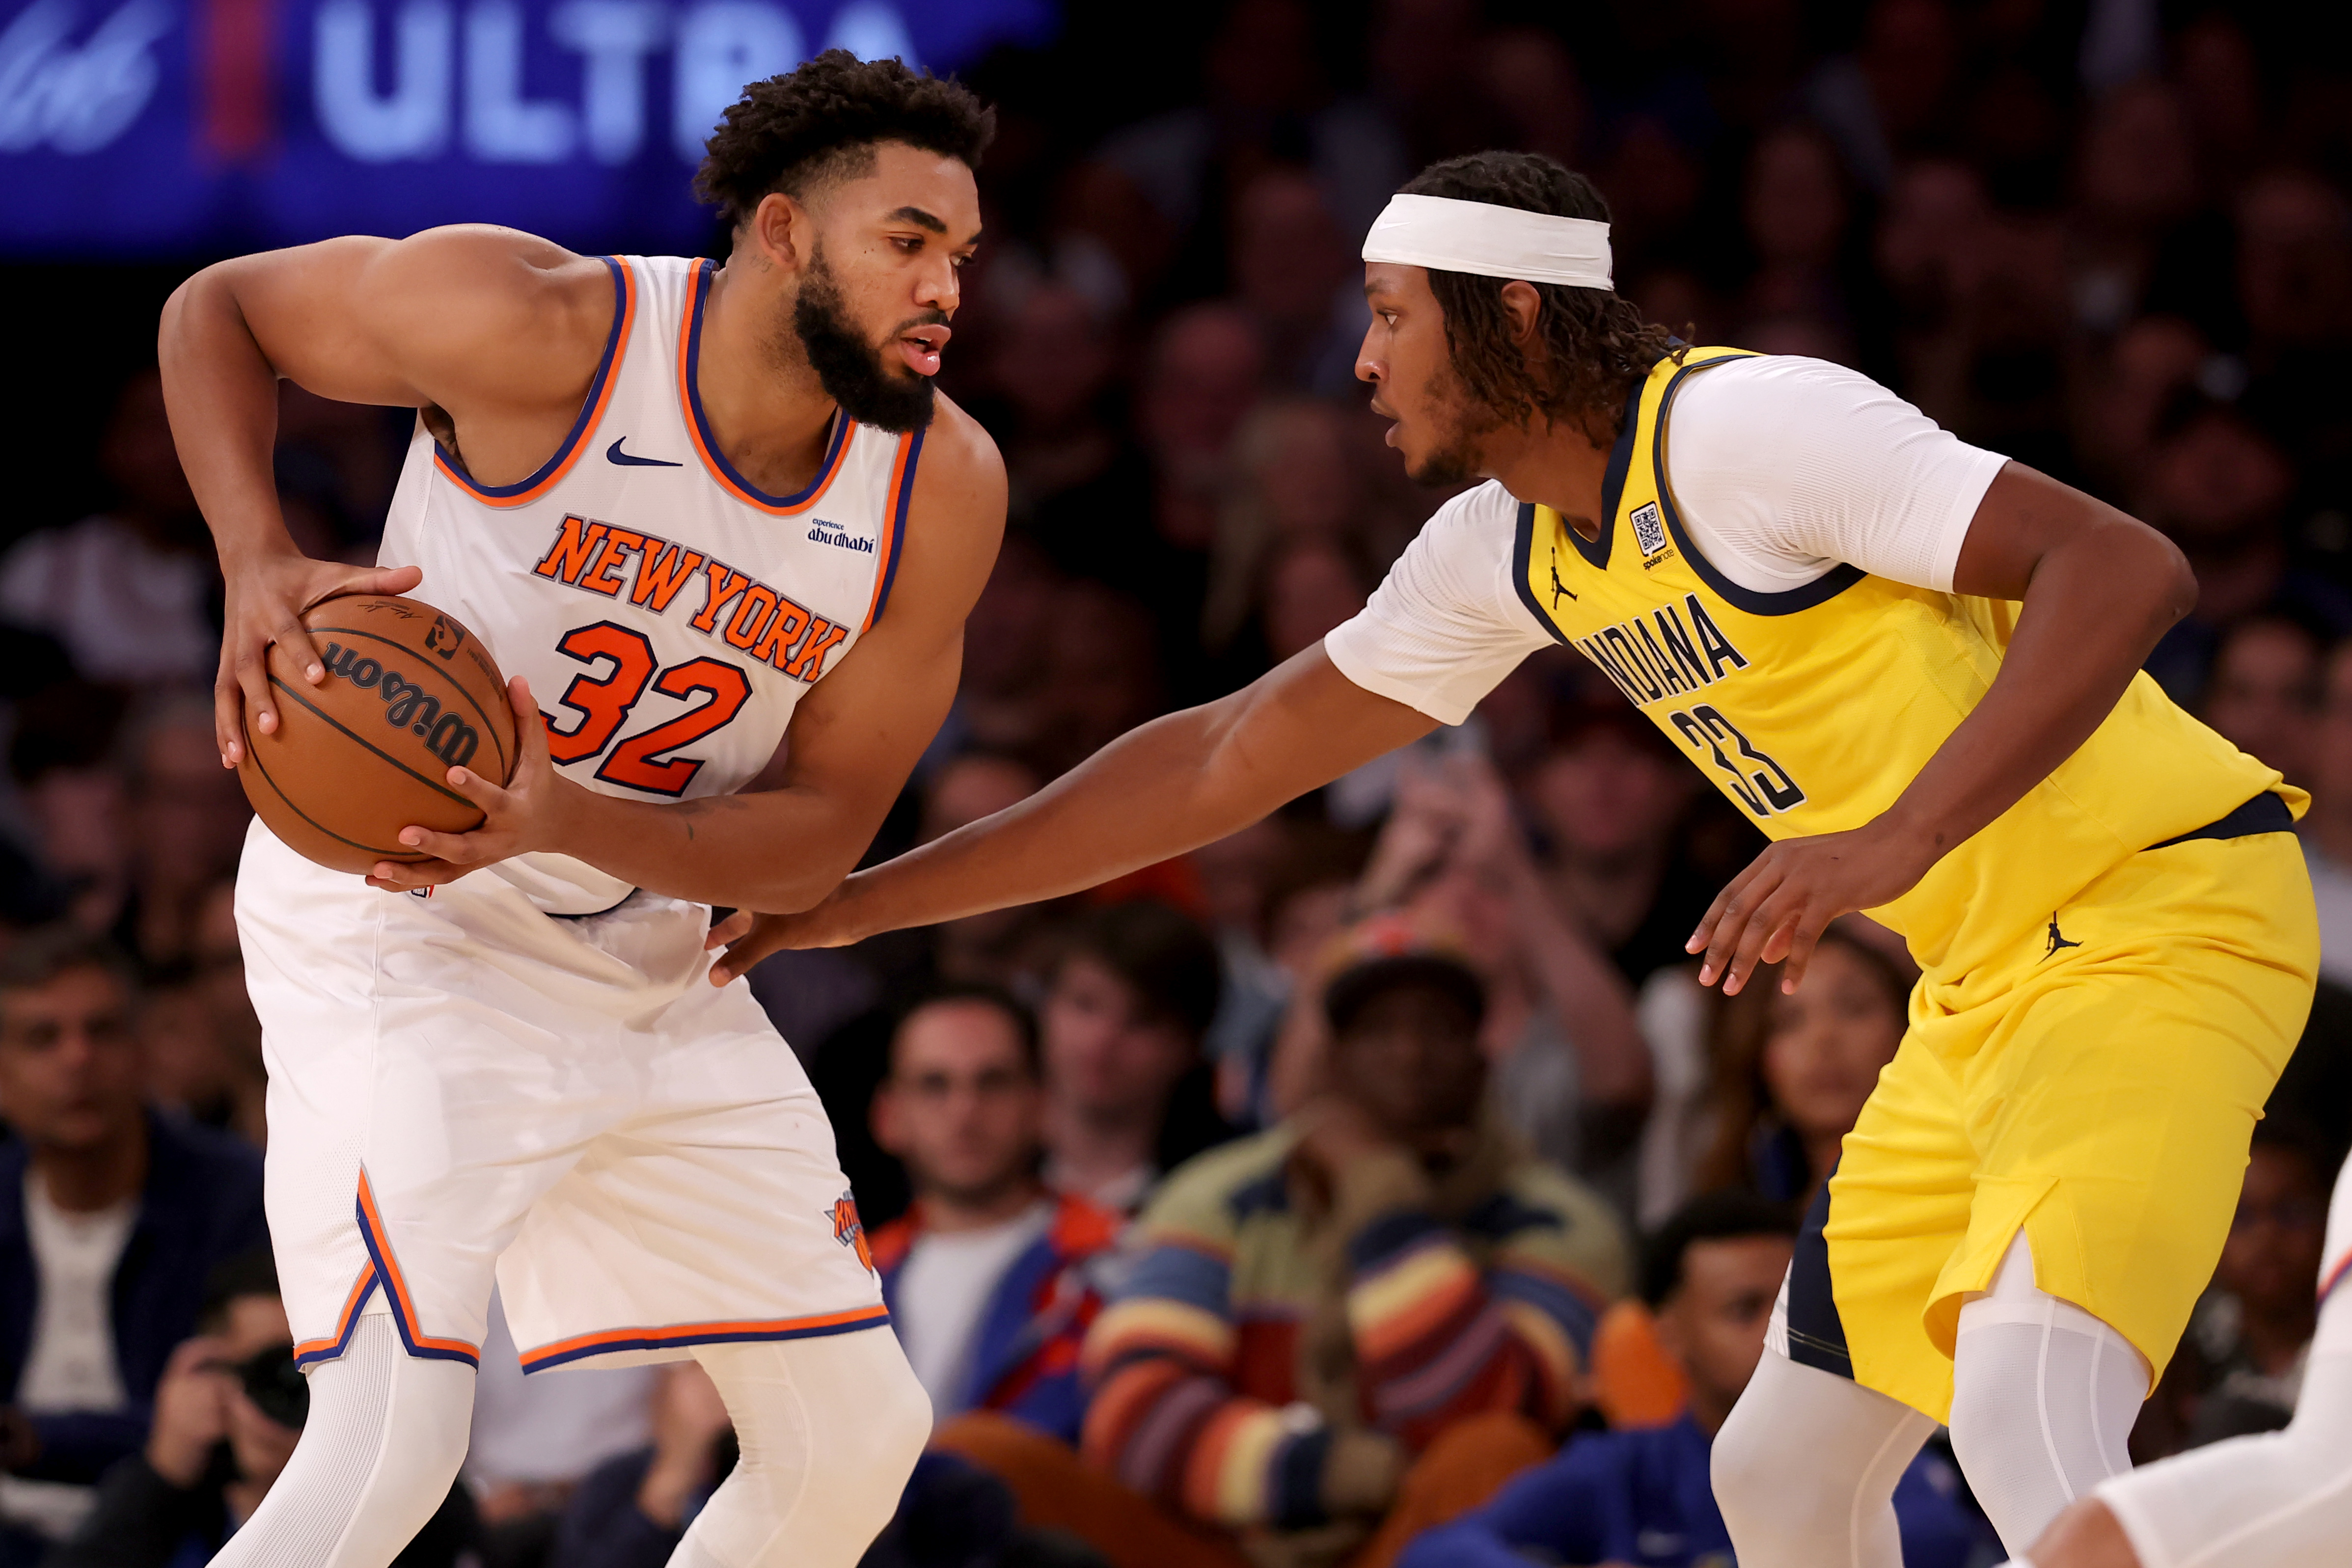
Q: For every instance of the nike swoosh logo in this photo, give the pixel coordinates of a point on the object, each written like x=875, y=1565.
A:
x=614, y=454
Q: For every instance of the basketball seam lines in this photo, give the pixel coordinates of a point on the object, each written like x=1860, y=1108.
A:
x=488, y=728
x=280, y=789
x=372, y=746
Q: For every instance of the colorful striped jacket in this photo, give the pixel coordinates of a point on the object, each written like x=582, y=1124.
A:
x=1026, y=1361
x=1261, y=1329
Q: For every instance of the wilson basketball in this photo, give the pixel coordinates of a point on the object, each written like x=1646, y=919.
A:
x=409, y=695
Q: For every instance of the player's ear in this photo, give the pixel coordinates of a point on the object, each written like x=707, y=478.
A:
x=780, y=231
x=1522, y=303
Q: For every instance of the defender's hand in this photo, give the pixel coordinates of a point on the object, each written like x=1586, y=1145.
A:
x=516, y=820
x=266, y=599
x=1778, y=907
x=749, y=938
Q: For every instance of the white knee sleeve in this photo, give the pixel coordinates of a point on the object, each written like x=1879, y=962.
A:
x=829, y=1429
x=1805, y=1470
x=2043, y=1399
x=385, y=1438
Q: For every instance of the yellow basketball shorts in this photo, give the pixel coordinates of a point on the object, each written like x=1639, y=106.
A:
x=2096, y=1088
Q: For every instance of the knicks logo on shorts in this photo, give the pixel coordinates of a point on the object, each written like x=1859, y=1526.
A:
x=849, y=1230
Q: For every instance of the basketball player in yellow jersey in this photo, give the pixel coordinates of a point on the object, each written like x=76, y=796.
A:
x=1915, y=666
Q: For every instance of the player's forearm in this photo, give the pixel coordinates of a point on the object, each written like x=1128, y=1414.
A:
x=222, y=394
x=1168, y=787
x=2094, y=610
x=779, y=850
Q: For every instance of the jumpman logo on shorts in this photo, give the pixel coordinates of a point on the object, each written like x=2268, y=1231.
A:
x=2056, y=940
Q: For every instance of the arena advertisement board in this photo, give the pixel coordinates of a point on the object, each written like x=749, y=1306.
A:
x=163, y=127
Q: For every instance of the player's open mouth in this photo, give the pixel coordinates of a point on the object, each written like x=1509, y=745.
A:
x=920, y=348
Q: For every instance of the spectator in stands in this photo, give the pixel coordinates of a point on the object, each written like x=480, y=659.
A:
x=187, y=823
x=125, y=589
x=1644, y=1496
x=2248, y=1341
x=1606, y=799
x=1334, y=1327
x=1129, y=1095
x=1792, y=1071
x=227, y=1412
x=2263, y=692
x=111, y=1218
x=2327, y=829
x=986, y=1276
x=632, y=1510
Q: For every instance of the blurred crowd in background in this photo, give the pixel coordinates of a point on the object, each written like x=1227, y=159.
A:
x=2110, y=239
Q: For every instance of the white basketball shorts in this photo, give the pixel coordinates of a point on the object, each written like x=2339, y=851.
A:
x=463, y=1086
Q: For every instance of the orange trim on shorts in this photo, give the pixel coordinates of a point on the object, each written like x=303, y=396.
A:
x=403, y=1309
x=610, y=1341
x=310, y=1350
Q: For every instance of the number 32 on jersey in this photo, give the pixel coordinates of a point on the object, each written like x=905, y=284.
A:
x=603, y=701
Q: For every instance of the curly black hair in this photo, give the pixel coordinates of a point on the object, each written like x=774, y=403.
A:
x=1598, y=344
x=822, y=121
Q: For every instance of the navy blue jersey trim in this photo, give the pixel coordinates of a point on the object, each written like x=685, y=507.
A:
x=703, y=426
x=658, y=1339
x=897, y=532
x=1821, y=591
x=588, y=406
x=1523, y=551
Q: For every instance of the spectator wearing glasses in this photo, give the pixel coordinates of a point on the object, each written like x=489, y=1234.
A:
x=987, y=1275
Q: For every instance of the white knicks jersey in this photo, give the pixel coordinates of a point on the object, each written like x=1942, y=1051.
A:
x=667, y=615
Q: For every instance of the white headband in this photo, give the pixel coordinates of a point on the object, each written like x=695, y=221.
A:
x=1491, y=241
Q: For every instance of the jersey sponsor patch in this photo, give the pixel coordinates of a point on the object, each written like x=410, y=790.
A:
x=1649, y=528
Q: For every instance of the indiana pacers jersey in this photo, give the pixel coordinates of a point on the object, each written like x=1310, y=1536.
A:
x=1812, y=709
x=668, y=613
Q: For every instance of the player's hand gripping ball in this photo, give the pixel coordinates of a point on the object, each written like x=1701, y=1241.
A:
x=409, y=693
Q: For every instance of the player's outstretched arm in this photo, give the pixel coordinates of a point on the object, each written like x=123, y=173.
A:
x=2099, y=588
x=854, y=736
x=499, y=330
x=1171, y=786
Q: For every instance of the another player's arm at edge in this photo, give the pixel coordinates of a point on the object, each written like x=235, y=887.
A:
x=2099, y=587
x=500, y=329
x=1167, y=787
x=854, y=739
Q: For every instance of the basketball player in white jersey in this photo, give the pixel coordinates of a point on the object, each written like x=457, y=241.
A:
x=709, y=517
x=2279, y=1499
x=1916, y=666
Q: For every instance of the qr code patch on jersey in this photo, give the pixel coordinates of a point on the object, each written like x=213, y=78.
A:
x=1648, y=531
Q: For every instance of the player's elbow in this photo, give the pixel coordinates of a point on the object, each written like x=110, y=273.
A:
x=2176, y=577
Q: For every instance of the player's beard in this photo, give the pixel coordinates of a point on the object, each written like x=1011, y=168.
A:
x=1461, y=425
x=852, y=370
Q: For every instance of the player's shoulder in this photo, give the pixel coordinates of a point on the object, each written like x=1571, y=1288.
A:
x=1481, y=511
x=1757, y=402
x=958, y=451
x=501, y=281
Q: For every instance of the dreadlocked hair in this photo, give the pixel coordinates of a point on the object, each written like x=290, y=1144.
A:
x=1596, y=344
x=822, y=121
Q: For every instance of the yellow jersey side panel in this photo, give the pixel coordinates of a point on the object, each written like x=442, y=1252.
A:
x=1813, y=709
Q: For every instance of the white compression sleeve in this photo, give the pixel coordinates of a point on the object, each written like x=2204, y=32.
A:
x=829, y=1429
x=1805, y=1468
x=2043, y=1399
x=385, y=1438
